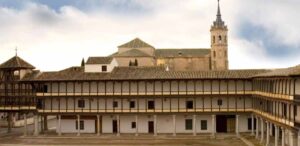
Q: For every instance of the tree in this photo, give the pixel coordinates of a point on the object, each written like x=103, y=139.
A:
x=130, y=63
x=135, y=62
x=82, y=62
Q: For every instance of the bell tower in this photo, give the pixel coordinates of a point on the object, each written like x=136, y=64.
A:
x=219, y=43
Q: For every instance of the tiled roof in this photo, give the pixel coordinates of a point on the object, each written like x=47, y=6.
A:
x=99, y=60
x=16, y=63
x=136, y=43
x=181, y=52
x=284, y=72
x=141, y=73
x=131, y=53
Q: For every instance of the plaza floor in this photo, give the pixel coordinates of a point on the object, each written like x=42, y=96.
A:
x=124, y=140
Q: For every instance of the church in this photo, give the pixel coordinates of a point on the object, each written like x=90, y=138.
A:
x=141, y=89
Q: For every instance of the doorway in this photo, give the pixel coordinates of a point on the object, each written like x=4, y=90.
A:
x=150, y=127
x=225, y=123
x=115, y=126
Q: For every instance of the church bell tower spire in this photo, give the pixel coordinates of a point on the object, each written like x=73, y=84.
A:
x=219, y=45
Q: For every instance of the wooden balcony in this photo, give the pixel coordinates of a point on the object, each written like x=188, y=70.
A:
x=272, y=95
x=145, y=93
x=17, y=108
x=128, y=111
x=284, y=121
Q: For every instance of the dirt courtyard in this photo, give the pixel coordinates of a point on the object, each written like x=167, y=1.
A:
x=124, y=140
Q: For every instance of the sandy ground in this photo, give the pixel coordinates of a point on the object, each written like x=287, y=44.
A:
x=125, y=140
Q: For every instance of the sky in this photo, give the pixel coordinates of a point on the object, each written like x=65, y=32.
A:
x=56, y=34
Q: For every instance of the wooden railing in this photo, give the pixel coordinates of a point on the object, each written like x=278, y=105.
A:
x=145, y=93
x=272, y=95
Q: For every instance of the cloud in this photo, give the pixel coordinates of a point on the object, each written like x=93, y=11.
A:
x=55, y=35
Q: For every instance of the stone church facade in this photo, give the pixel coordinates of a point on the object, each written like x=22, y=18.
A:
x=180, y=59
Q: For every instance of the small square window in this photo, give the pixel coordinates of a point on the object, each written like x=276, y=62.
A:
x=203, y=124
x=115, y=104
x=81, y=125
x=189, y=104
x=104, y=68
x=132, y=104
x=133, y=125
x=81, y=103
x=220, y=102
x=151, y=104
x=188, y=124
x=45, y=88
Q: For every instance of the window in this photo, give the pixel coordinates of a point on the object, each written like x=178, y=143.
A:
x=249, y=124
x=214, y=39
x=133, y=125
x=81, y=103
x=220, y=102
x=81, y=125
x=45, y=88
x=203, y=124
x=220, y=38
x=132, y=104
x=189, y=104
x=188, y=124
x=151, y=104
x=115, y=104
x=214, y=53
x=284, y=110
x=104, y=68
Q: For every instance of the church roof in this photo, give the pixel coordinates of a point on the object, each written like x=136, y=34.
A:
x=99, y=60
x=139, y=73
x=132, y=53
x=181, y=52
x=284, y=72
x=16, y=63
x=136, y=43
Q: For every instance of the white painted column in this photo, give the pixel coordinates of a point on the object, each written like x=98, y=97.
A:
x=237, y=125
x=136, y=125
x=36, y=125
x=271, y=129
x=194, y=125
x=118, y=125
x=98, y=125
x=213, y=125
x=257, y=125
x=25, y=124
x=78, y=125
x=155, y=125
x=59, y=125
x=276, y=135
x=174, y=125
x=261, y=130
x=292, y=138
x=268, y=133
x=252, y=124
x=282, y=136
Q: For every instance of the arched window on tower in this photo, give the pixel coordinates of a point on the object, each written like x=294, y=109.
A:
x=220, y=39
x=225, y=39
x=214, y=53
x=214, y=39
